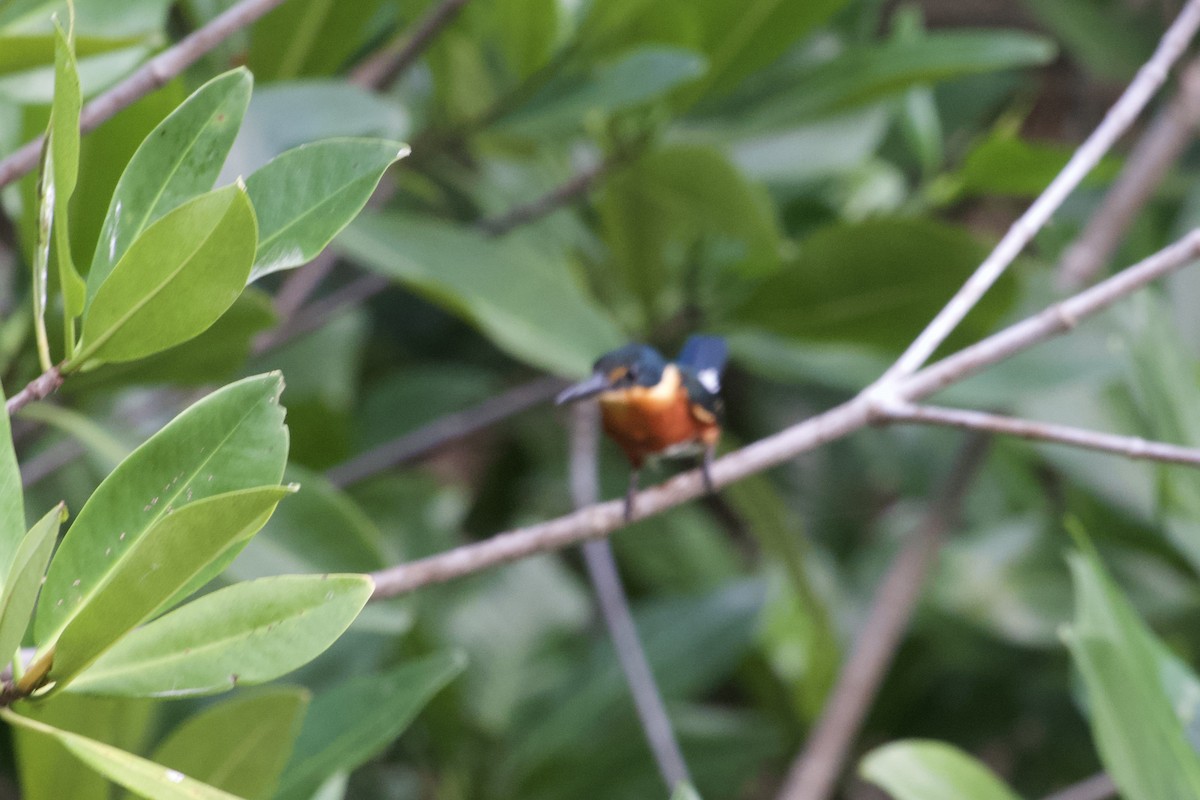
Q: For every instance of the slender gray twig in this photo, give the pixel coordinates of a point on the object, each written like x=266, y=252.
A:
x=815, y=772
x=443, y=430
x=154, y=74
x=1147, y=81
x=601, y=519
x=551, y=201
x=387, y=66
x=1165, y=140
x=614, y=607
x=1127, y=446
x=1097, y=787
x=49, y=461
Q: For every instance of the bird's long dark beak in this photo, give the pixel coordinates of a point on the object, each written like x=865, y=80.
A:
x=584, y=389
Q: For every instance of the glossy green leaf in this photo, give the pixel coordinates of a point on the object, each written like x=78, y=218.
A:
x=638, y=77
x=174, y=281
x=304, y=198
x=870, y=72
x=927, y=770
x=96, y=72
x=12, y=499
x=353, y=722
x=488, y=282
x=179, y=160
x=166, y=558
x=240, y=745
x=876, y=283
x=49, y=771
x=233, y=439
x=247, y=633
x=213, y=357
x=63, y=161
x=25, y=580
x=1140, y=740
x=134, y=773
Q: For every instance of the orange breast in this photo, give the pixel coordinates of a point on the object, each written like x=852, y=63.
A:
x=646, y=421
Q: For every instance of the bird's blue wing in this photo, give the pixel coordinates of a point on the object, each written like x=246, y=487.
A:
x=705, y=357
x=704, y=352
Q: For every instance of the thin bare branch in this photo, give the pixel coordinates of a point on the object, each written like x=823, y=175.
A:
x=559, y=197
x=1097, y=787
x=601, y=519
x=39, y=388
x=815, y=772
x=1147, y=81
x=389, y=65
x=1160, y=147
x=1128, y=446
x=154, y=74
x=316, y=314
x=443, y=430
x=614, y=607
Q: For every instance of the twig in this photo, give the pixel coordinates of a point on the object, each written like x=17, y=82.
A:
x=154, y=74
x=443, y=430
x=386, y=67
x=603, y=518
x=1128, y=446
x=49, y=461
x=39, y=388
x=1097, y=787
x=361, y=289
x=1164, y=141
x=1147, y=81
x=815, y=771
x=299, y=286
x=317, y=313
x=551, y=201
x=602, y=570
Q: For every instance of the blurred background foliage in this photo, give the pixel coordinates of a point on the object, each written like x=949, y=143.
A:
x=811, y=179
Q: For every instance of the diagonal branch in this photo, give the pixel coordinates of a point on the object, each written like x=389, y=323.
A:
x=815, y=771
x=614, y=607
x=386, y=67
x=1128, y=446
x=154, y=74
x=1159, y=148
x=601, y=519
x=1147, y=81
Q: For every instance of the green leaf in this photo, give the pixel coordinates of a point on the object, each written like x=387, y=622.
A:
x=681, y=207
x=62, y=140
x=233, y=439
x=179, y=160
x=136, y=774
x=12, y=499
x=1108, y=38
x=169, y=556
x=928, y=770
x=353, y=722
x=1004, y=164
x=174, y=281
x=239, y=746
x=876, y=283
x=636, y=78
x=867, y=73
x=310, y=37
x=49, y=771
x=1141, y=741
x=488, y=282
x=247, y=633
x=22, y=52
x=304, y=198
x=25, y=580
x=36, y=86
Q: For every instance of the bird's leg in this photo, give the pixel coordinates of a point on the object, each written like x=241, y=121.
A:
x=631, y=492
x=706, y=461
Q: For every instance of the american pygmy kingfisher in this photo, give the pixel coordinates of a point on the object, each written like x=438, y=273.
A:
x=653, y=407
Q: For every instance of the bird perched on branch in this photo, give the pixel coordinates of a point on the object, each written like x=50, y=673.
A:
x=654, y=408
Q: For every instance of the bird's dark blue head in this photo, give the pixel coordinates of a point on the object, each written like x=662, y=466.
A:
x=623, y=368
